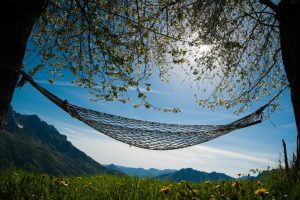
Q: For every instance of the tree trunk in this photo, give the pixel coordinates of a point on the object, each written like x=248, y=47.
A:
x=289, y=18
x=15, y=30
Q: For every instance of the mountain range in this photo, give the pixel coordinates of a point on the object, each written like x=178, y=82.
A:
x=187, y=174
x=29, y=143
x=192, y=175
x=140, y=172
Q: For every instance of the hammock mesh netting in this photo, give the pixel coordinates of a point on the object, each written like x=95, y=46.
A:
x=144, y=134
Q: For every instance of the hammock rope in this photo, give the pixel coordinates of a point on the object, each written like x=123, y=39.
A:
x=144, y=134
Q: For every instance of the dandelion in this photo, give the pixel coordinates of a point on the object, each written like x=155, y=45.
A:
x=165, y=189
x=88, y=186
x=235, y=184
x=63, y=182
x=79, y=178
x=195, y=191
x=261, y=192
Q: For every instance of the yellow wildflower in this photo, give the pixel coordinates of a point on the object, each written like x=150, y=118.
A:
x=88, y=186
x=235, y=184
x=195, y=191
x=165, y=189
x=63, y=182
x=261, y=192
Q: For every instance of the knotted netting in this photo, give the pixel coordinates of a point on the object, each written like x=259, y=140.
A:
x=154, y=135
x=145, y=134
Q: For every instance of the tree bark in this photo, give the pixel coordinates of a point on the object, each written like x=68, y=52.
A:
x=15, y=30
x=288, y=15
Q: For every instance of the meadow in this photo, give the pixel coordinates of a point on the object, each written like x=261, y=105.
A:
x=18, y=184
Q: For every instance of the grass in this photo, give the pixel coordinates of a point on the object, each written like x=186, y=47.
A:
x=18, y=184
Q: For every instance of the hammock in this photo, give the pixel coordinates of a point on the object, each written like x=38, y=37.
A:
x=144, y=134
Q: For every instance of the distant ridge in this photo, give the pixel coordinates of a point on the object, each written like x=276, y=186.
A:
x=140, y=172
x=29, y=143
x=192, y=175
x=187, y=174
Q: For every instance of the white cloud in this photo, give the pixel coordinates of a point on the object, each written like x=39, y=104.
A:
x=235, y=155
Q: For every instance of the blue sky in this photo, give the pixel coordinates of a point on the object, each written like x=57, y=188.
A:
x=257, y=146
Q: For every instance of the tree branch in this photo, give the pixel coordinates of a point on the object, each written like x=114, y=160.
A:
x=263, y=76
x=262, y=23
x=269, y=4
x=151, y=29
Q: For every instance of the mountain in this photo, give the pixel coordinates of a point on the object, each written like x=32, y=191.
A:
x=140, y=172
x=192, y=175
x=29, y=143
x=170, y=174
x=246, y=178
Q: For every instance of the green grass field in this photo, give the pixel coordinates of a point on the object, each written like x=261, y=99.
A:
x=18, y=184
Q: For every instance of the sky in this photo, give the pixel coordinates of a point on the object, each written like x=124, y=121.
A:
x=254, y=147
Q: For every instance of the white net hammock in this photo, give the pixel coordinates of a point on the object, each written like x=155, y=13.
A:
x=145, y=134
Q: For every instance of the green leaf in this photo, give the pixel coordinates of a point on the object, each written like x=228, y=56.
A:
x=51, y=81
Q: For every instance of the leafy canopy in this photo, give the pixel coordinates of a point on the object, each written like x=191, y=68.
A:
x=113, y=46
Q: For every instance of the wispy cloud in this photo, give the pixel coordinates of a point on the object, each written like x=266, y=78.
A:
x=211, y=116
x=78, y=133
x=258, y=158
x=154, y=91
x=68, y=83
x=290, y=125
